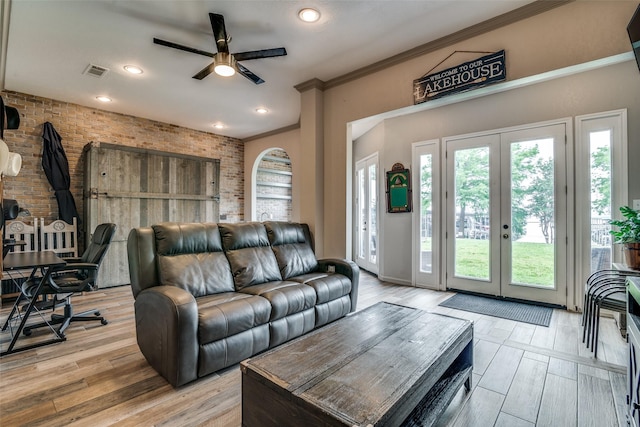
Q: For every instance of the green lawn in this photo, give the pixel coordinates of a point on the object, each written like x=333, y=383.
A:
x=532, y=262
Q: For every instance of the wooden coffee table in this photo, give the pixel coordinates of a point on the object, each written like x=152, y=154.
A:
x=387, y=365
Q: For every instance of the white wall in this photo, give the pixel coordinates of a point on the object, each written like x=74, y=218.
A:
x=572, y=34
x=611, y=88
x=575, y=33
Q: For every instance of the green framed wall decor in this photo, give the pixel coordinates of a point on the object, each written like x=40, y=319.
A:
x=398, y=189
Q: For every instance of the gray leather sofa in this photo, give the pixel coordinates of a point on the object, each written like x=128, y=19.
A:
x=210, y=295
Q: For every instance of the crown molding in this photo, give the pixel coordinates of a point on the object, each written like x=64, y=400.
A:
x=310, y=84
x=516, y=15
x=272, y=132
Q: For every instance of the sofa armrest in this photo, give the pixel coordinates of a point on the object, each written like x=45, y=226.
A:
x=167, y=332
x=347, y=268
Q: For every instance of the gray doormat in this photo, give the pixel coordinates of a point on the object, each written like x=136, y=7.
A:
x=517, y=311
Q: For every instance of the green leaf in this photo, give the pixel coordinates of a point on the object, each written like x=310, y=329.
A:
x=629, y=228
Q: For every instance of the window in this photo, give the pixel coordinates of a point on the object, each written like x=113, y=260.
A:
x=601, y=188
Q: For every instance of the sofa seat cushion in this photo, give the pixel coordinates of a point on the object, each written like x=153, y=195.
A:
x=230, y=313
x=309, y=277
x=328, y=286
x=286, y=297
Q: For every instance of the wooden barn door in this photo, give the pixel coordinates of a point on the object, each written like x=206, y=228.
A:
x=134, y=187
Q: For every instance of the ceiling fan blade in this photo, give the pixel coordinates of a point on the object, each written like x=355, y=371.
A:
x=248, y=74
x=219, y=32
x=181, y=47
x=264, y=53
x=204, y=72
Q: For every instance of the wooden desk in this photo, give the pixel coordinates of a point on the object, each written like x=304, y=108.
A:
x=387, y=365
x=44, y=261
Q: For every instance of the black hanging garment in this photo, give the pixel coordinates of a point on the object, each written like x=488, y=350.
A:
x=56, y=167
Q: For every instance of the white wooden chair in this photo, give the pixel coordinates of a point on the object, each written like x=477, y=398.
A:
x=60, y=237
x=21, y=232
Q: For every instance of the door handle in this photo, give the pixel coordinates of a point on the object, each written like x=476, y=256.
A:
x=505, y=236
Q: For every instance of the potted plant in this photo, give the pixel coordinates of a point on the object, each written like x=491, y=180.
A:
x=628, y=234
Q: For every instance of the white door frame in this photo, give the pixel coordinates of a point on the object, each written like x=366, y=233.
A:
x=365, y=262
x=491, y=141
x=560, y=213
x=568, y=296
x=419, y=278
x=616, y=121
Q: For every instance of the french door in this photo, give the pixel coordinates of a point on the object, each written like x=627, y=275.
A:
x=506, y=214
x=367, y=213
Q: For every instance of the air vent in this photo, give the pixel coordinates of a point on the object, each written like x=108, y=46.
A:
x=95, y=70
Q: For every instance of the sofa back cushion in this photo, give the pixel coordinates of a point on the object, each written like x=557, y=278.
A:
x=291, y=244
x=250, y=256
x=190, y=256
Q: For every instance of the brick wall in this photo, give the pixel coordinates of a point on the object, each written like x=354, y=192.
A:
x=78, y=125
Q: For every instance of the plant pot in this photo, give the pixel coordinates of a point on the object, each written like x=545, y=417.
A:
x=632, y=255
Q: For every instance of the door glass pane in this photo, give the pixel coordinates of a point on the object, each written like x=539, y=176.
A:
x=362, y=212
x=373, y=220
x=426, y=202
x=532, y=213
x=600, y=171
x=471, y=249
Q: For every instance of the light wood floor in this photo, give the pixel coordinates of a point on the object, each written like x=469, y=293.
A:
x=524, y=375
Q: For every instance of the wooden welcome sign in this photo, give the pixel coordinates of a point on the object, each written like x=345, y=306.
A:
x=463, y=77
x=398, y=189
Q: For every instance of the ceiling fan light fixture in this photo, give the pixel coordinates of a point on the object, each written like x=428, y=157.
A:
x=261, y=110
x=309, y=15
x=225, y=64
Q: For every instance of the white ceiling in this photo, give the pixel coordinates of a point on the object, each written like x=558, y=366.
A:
x=51, y=43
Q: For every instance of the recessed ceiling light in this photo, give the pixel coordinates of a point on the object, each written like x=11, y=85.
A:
x=133, y=69
x=218, y=126
x=308, y=14
x=261, y=110
x=103, y=98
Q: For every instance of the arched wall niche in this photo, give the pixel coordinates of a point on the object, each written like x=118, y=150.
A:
x=272, y=179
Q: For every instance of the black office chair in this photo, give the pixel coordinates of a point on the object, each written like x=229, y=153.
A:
x=78, y=275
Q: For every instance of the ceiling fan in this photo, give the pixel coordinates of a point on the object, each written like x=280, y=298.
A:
x=225, y=63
